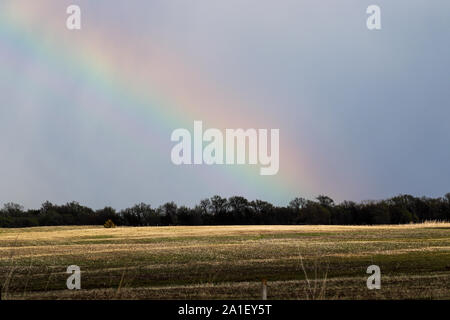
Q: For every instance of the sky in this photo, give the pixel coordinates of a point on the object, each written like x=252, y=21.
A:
x=87, y=115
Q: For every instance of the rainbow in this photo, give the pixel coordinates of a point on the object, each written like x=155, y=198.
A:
x=148, y=86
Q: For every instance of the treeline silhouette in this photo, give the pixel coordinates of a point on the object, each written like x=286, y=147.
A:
x=236, y=211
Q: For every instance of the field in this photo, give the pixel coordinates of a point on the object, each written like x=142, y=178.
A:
x=227, y=262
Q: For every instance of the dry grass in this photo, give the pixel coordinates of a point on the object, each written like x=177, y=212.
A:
x=299, y=262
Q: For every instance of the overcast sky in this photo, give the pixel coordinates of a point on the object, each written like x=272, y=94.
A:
x=362, y=114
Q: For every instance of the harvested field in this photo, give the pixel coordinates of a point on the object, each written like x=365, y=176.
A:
x=227, y=262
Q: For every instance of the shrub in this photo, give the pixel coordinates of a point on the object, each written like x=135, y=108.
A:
x=109, y=224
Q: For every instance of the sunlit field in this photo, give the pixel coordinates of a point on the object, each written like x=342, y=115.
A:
x=227, y=262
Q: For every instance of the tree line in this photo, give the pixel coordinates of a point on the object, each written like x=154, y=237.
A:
x=236, y=211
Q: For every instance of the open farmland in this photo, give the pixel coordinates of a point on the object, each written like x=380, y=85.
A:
x=227, y=262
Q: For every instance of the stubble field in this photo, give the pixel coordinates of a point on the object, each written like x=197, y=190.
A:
x=226, y=262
